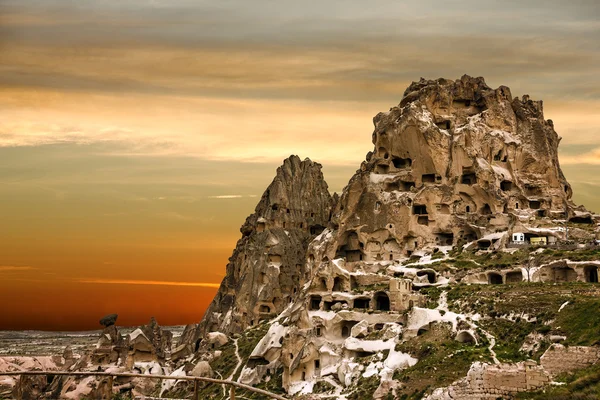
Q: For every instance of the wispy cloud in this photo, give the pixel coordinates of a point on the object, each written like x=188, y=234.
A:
x=11, y=268
x=147, y=282
x=231, y=196
x=591, y=157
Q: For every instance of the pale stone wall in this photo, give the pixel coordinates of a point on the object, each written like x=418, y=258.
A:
x=485, y=381
x=559, y=359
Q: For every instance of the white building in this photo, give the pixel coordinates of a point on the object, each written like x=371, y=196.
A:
x=518, y=238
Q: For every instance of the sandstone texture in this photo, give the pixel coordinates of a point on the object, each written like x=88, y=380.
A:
x=267, y=267
x=456, y=166
x=491, y=382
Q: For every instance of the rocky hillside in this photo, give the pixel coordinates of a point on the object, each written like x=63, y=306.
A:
x=463, y=188
x=267, y=267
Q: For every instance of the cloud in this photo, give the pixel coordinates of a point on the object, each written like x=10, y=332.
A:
x=230, y=81
x=231, y=196
x=13, y=268
x=147, y=282
x=591, y=157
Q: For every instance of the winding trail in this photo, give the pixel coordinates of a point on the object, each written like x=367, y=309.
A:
x=230, y=377
x=492, y=340
x=237, y=354
x=443, y=305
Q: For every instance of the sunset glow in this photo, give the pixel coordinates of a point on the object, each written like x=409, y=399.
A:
x=136, y=136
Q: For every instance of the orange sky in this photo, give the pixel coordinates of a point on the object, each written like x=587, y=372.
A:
x=135, y=136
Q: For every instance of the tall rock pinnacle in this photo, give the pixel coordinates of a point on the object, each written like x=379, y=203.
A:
x=267, y=267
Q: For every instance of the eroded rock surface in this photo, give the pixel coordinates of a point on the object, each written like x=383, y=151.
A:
x=267, y=267
x=456, y=165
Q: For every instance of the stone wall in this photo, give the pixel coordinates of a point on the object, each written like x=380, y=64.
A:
x=559, y=359
x=485, y=381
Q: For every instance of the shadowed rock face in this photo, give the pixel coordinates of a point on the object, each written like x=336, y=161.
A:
x=267, y=267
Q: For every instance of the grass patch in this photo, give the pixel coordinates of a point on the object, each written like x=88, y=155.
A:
x=573, y=255
x=365, y=387
x=273, y=385
x=579, y=321
x=442, y=360
x=323, y=387
x=433, y=296
x=226, y=363
x=510, y=336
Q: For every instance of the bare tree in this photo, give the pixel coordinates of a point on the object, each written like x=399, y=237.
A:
x=532, y=262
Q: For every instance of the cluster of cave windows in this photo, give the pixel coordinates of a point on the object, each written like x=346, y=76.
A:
x=399, y=186
x=380, y=301
x=314, y=229
x=557, y=274
x=562, y=274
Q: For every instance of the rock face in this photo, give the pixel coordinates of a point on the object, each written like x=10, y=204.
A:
x=111, y=346
x=148, y=343
x=160, y=338
x=456, y=164
x=267, y=267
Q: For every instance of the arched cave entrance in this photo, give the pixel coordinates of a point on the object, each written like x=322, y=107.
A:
x=494, y=278
x=382, y=301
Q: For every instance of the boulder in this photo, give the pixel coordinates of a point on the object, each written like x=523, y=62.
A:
x=360, y=330
x=202, y=370
x=217, y=339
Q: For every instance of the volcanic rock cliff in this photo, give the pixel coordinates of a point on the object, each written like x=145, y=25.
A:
x=454, y=162
x=267, y=267
x=463, y=183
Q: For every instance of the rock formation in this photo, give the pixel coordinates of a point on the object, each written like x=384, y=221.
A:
x=456, y=165
x=111, y=346
x=109, y=320
x=339, y=290
x=145, y=344
x=160, y=338
x=454, y=162
x=267, y=267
